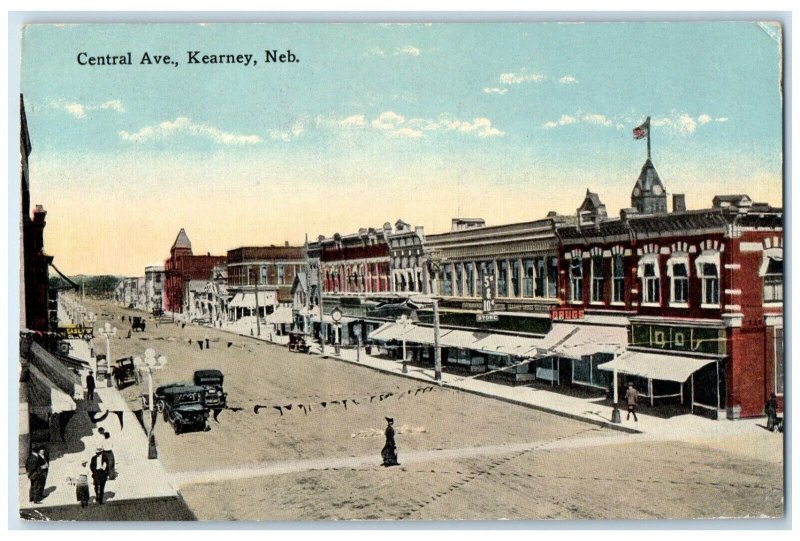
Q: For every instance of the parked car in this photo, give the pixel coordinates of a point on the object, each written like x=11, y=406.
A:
x=185, y=407
x=123, y=372
x=137, y=323
x=158, y=312
x=212, y=380
x=159, y=393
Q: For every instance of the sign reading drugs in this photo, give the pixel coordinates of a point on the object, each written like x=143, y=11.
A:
x=488, y=296
x=564, y=313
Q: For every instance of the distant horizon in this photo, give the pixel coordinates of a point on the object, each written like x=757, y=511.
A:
x=499, y=121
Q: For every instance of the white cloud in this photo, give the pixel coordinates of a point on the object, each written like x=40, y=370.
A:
x=388, y=120
x=721, y=119
x=79, y=110
x=517, y=78
x=408, y=49
x=703, y=119
x=565, y=120
x=357, y=121
x=495, y=90
x=684, y=123
x=288, y=135
x=183, y=125
x=600, y=120
x=568, y=80
x=376, y=51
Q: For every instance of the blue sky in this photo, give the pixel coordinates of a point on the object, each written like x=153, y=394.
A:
x=377, y=122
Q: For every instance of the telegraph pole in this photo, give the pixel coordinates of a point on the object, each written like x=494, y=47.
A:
x=258, y=319
x=437, y=352
x=321, y=311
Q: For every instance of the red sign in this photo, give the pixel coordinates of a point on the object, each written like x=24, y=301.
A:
x=563, y=313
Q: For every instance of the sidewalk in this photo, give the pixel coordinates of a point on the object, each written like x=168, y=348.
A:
x=592, y=410
x=137, y=477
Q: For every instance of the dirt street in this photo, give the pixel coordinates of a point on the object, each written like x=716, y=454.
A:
x=496, y=461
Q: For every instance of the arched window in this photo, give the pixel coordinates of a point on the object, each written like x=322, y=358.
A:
x=771, y=271
x=707, y=264
x=650, y=275
x=678, y=271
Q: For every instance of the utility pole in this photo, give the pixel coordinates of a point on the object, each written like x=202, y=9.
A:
x=258, y=319
x=308, y=292
x=437, y=352
x=321, y=311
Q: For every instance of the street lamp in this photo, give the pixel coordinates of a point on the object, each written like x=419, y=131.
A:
x=404, y=321
x=149, y=364
x=615, y=415
x=336, y=316
x=107, y=330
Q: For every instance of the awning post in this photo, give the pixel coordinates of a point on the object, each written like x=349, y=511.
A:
x=615, y=415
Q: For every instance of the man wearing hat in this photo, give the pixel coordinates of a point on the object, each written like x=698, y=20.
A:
x=389, y=451
x=99, y=468
x=631, y=396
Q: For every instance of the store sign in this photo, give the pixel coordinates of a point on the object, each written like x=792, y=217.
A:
x=564, y=313
x=488, y=297
x=680, y=338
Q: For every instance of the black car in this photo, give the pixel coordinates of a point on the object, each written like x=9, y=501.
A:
x=212, y=380
x=185, y=408
x=137, y=323
x=123, y=372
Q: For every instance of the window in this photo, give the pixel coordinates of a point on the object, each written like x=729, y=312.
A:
x=469, y=287
x=158, y=278
x=502, y=279
x=576, y=279
x=458, y=280
x=710, y=278
x=597, y=278
x=515, y=290
x=281, y=279
x=530, y=275
x=541, y=277
x=773, y=281
x=447, y=280
x=618, y=280
x=552, y=278
x=651, y=283
x=263, y=279
x=679, y=290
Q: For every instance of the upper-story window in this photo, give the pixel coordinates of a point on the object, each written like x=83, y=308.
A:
x=650, y=275
x=618, y=279
x=281, y=274
x=469, y=279
x=458, y=280
x=447, y=279
x=552, y=277
x=515, y=289
x=707, y=264
x=541, y=277
x=158, y=278
x=678, y=271
x=502, y=278
x=529, y=276
x=597, y=278
x=772, y=273
x=576, y=280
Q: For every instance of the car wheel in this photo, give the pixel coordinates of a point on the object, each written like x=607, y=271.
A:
x=177, y=428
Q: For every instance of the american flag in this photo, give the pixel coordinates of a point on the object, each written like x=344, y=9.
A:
x=640, y=132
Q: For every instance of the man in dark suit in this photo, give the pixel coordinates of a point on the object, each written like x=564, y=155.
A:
x=33, y=465
x=99, y=468
x=90, y=385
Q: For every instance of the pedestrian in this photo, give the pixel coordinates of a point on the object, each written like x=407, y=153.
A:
x=389, y=451
x=44, y=467
x=207, y=343
x=108, y=450
x=33, y=467
x=631, y=396
x=771, y=409
x=99, y=469
x=90, y=385
x=82, y=484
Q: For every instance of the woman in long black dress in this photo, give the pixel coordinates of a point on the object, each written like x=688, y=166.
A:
x=389, y=451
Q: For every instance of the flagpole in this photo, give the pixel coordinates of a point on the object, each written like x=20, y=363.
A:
x=648, y=137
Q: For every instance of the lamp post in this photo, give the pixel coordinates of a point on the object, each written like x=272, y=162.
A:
x=336, y=316
x=403, y=320
x=149, y=364
x=615, y=415
x=107, y=330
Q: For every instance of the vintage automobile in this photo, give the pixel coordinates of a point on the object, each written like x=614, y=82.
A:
x=185, y=408
x=123, y=372
x=137, y=323
x=212, y=380
x=159, y=393
x=158, y=312
x=297, y=342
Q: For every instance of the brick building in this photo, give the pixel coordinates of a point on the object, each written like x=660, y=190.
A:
x=183, y=266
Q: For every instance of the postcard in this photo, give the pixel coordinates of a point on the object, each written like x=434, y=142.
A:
x=401, y=272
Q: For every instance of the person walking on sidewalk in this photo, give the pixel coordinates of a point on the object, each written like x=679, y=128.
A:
x=99, y=469
x=771, y=409
x=90, y=386
x=82, y=484
x=631, y=396
x=44, y=467
x=389, y=451
x=33, y=466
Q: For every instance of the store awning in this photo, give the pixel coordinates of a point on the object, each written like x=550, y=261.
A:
x=418, y=335
x=387, y=332
x=461, y=339
x=583, y=340
x=248, y=299
x=45, y=397
x=281, y=316
x=657, y=365
x=502, y=344
x=55, y=371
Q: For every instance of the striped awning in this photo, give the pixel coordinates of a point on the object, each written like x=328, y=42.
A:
x=659, y=366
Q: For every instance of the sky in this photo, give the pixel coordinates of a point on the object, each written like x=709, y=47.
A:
x=378, y=122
